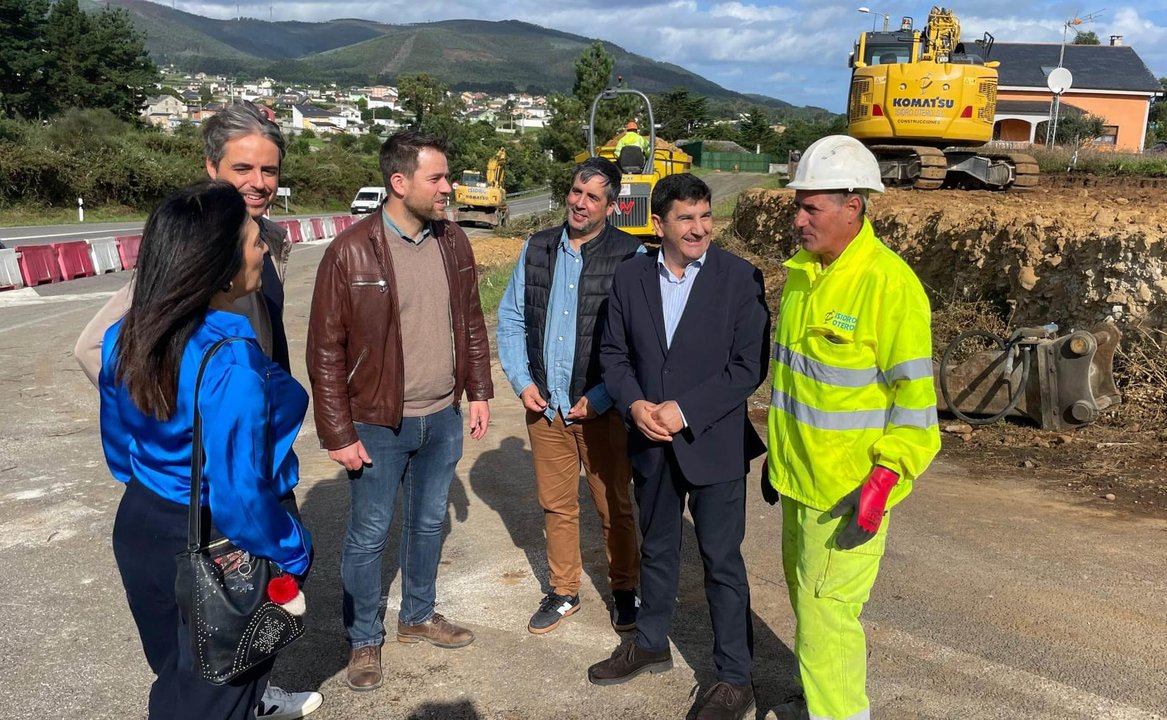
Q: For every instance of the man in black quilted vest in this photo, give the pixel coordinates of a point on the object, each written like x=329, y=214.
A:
x=549, y=328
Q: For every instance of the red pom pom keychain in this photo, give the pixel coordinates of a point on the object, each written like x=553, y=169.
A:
x=285, y=592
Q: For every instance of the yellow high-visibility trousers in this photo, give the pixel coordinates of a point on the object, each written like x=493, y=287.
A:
x=828, y=587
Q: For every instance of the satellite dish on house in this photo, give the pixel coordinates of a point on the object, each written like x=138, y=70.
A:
x=1059, y=80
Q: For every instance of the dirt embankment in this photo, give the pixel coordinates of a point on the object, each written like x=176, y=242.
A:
x=1076, y=256
x=1071, y=256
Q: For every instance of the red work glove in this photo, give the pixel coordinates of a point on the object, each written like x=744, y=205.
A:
x=866, y=504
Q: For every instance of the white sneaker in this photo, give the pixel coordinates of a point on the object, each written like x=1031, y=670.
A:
x=278, y=704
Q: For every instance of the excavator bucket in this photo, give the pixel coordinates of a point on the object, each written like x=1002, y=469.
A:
x=1060, y=383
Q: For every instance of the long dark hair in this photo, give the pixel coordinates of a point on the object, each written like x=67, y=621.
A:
x=190, y=250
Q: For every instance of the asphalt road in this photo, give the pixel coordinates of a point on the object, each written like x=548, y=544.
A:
x=721, y=183
x=47, y=234
x=997, y=600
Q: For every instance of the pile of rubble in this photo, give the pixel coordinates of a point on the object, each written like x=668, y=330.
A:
x=1073, y=256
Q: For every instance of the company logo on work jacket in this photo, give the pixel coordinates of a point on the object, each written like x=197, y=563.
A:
x=841, y=320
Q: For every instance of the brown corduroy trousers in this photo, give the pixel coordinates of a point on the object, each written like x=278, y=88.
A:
x=600, y=445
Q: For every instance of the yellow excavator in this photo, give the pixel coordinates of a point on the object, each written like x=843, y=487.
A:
x=483, y=198
x=924, y=103
x=640, y=170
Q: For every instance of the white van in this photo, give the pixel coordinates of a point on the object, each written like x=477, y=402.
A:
x=368, y=199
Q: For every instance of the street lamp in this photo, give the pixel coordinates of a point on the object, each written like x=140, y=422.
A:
x=875, y=14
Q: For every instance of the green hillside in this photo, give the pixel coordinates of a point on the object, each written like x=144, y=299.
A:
x=507, y=54
x=176, y=36
x=173, y=36
x=464, y=54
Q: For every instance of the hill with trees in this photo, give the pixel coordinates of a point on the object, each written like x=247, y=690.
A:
x=503, y=56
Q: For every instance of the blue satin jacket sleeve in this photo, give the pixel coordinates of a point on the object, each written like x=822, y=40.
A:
x=234, y=401
x=116, y=435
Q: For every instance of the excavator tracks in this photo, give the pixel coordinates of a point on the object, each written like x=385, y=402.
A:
x=926, y=168
x=922, y=167
x=933, y=168
x=1025, y=170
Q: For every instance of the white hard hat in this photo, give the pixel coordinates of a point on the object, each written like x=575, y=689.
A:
x=837, y=162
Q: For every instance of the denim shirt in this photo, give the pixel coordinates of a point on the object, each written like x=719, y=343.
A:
x=559, y=339
x=252, y=412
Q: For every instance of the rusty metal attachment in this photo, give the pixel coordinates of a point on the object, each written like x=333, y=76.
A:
x=1060, y=383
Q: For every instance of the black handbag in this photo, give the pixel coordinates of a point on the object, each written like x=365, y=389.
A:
x=222, y=591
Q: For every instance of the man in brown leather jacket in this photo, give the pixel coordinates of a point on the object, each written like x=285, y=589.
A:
x=395, y=337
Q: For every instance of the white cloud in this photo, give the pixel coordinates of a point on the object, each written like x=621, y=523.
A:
x=751, y=13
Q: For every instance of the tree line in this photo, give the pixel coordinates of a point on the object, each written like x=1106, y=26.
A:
x=66, y=74
x=679, y=114
x=54, y=56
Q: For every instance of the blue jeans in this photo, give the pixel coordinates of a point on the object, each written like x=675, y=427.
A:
x=419, y=459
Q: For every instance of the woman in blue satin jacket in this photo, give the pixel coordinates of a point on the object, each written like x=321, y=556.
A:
x=200, y=252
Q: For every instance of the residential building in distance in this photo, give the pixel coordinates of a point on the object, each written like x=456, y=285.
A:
x=165, y=111
x=1109, y=81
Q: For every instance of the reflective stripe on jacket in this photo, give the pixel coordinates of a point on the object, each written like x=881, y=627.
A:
x=852, y=368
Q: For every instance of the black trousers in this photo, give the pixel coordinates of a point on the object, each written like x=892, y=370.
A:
x=719, y=518
x=147, y=533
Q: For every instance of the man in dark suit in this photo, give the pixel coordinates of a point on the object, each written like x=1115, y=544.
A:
x=685, y=346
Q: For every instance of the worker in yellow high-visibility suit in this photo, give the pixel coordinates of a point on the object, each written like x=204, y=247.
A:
x=631, y=136
x=852, y=421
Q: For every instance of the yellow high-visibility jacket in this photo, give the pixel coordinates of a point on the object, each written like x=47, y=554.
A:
x=631, y=137
x=852, y=367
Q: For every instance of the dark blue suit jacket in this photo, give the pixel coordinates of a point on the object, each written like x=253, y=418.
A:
x=718, y=358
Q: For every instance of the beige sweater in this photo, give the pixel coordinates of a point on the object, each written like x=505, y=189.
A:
x=423, y=295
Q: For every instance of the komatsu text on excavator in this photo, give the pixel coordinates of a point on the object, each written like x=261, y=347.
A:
x=923, y=102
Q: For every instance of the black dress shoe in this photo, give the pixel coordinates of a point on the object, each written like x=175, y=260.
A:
x=627, y=662
x=726, y=701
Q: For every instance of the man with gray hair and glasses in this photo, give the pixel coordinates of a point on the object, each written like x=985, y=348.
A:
x=242, y=146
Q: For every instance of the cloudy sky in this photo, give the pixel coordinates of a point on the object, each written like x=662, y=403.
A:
x=795, y=50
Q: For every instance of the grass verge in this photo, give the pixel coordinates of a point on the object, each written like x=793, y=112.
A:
x=26, y=215
x=492, y=283
x=724, y=208
x=1099, y=162
x=527, y=224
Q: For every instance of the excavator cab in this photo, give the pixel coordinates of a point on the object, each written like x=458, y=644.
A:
x=925, y=106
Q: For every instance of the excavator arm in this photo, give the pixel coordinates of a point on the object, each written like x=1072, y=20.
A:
x=496, y=169
x=486, y=200
x=942, y=35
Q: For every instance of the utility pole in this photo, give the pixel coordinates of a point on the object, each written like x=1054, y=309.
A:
x=1051, y=128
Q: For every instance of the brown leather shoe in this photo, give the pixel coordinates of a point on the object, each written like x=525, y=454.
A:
x=364, y=668
x=726, y=701
x=436, y=631
x=627, y=662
